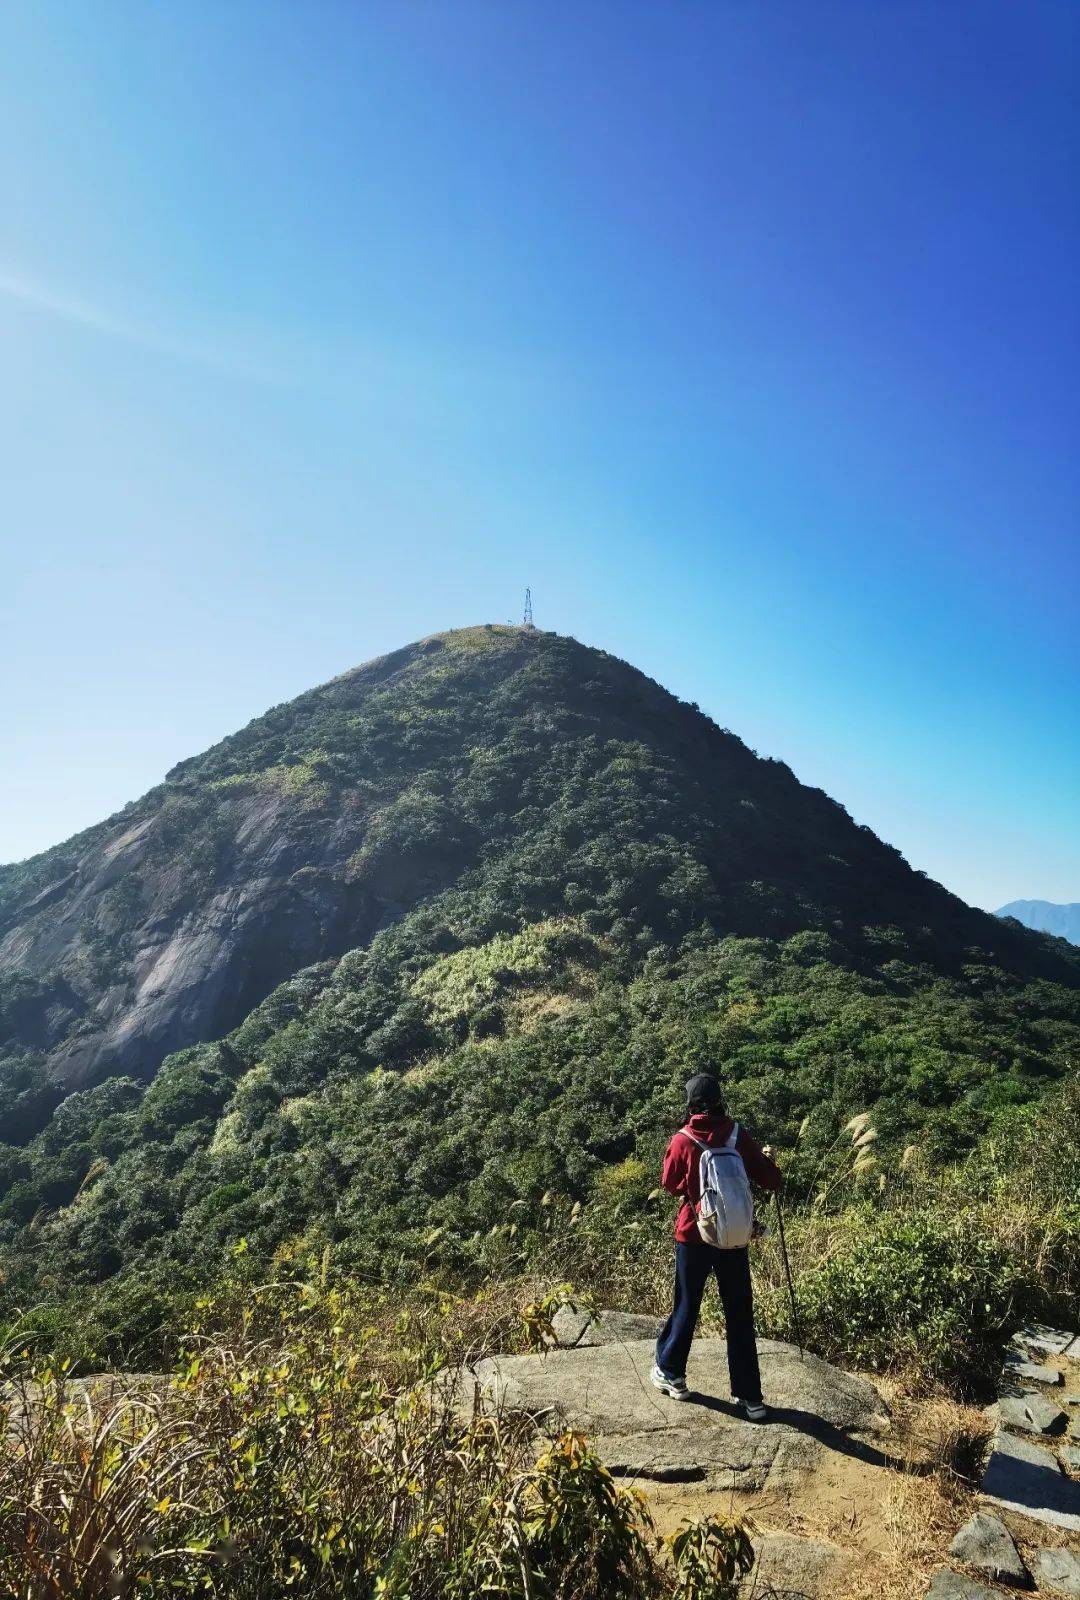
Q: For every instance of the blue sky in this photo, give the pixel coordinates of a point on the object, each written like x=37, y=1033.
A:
x=747, y=333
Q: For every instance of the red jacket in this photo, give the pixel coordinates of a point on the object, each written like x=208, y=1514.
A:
x=680, y=1174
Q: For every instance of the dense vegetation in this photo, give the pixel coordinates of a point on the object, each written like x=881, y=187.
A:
x=573, y=890
x=301, y=1447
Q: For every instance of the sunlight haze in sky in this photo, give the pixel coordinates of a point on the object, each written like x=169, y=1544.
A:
x=746, y=334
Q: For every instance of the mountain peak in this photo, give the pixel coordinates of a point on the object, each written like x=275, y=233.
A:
x=490, y=761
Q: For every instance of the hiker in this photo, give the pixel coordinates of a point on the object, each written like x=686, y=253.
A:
x=727, y=1216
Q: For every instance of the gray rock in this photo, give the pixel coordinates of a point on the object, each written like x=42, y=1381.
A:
x=1054, y=1341
x=1022, y=1477
x=1073, y=1350
x=1031, y=1371
x=985, y=1543
x=787, y=1564
x=1031, y=1413
x=1070, y=1458
x=796, y=1456
x=1058, y=1569
x=574, y=1328
x=946, y=1585
x=736, y=1455
x=606, y=1390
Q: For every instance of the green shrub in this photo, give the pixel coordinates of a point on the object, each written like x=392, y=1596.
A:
x=912, y=1288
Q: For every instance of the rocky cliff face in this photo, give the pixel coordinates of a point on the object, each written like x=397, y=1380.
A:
x=438, y=767
x=119, y=983
x=168, y=923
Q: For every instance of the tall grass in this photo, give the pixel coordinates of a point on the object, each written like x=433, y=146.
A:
x=301, y=1448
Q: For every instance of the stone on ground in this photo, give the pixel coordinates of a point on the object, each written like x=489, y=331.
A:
x=1073, y=1350
x=787, y=1564
x=985, y=1543
x=946, y=1585
x=1059, y=1570
x=1031, y=1371
x=1055, y=1341
x=1022, y=1477
x=573, y=1327
x=1031, y=1413
x=1070, y=1458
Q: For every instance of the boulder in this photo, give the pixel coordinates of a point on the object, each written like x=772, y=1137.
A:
x=1022, y=1477
x=787, y=1564
x=985, y=1543
x=947, y=1585
x=606, y=1389
x=1058, y=1570
x=1031, y=1413
x=1073, y=1350
x=573, y=1327
x=603, y=1390
x=1070, y=1458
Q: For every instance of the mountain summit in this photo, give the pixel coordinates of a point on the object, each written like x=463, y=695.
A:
x=432, y=948
x=496, y=765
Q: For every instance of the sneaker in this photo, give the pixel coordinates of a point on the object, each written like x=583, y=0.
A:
x=674, y=1388
x=753, y=1411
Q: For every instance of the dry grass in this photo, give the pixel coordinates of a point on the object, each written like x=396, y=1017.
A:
x=307, y=1450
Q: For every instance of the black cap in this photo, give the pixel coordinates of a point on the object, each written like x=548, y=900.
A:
x=703, y=1087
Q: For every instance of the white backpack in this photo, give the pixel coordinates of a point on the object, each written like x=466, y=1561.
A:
x=725, y=1212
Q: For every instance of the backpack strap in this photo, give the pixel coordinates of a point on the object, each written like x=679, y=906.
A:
x=728, y=1144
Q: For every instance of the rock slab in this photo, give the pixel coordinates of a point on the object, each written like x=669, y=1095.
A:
x=1055, y=1341
x=1031, y=1413
x=1060, y=1570
x=739, y=1454
x=1021, y=1477
x=574, y=1328
x=605, y=1392
x=1031, y=1371
x=606, y=1389
x=1070, y=1458
x=985, y=1543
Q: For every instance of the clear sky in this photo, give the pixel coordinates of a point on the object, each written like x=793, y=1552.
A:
x=746, y=331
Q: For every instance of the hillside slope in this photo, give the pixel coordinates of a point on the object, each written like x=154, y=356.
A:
x=459, y=920
x=327, y=819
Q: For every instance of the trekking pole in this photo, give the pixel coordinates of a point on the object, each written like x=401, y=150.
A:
x=787, y=1274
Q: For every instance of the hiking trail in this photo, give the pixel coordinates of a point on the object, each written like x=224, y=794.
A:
x=848, y=1500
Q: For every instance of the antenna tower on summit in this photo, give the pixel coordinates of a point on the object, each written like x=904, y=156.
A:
x=528, y=609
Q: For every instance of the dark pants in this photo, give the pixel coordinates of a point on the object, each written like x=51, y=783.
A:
x=693, y=1264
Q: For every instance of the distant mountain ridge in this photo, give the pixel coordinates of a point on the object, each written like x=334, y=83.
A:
x=1046, y=916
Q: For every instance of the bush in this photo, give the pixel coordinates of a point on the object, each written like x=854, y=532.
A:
x=914, y=1289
